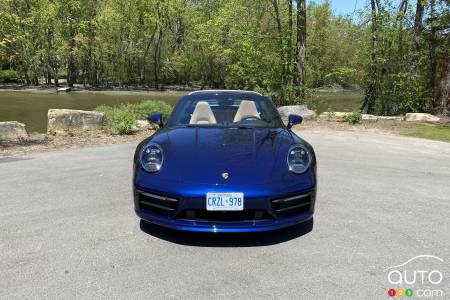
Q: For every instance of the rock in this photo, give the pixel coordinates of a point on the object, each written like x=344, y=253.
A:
x=368, y=117
x=301, y=110
x=13, y=131
x=338, y=116
x=393, y=118
x=142, y=125
x=421, y=117
x=64, y=90
x=69, y=120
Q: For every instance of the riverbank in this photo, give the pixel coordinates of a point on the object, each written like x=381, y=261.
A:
x=103, y=90
x=175, y=89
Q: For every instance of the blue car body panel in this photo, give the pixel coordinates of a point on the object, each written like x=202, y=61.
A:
x=195, y=158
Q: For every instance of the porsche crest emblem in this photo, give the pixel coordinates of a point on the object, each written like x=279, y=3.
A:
x=225, y=175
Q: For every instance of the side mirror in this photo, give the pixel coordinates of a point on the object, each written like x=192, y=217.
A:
x=156, y=118
x=294, y=120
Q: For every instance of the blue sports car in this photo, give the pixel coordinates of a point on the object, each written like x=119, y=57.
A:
x=224, y=162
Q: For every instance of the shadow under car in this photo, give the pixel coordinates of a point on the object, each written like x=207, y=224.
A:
x=204, y=239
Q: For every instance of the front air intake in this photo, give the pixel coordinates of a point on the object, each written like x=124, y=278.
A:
x=292, y=205
x=156, y=203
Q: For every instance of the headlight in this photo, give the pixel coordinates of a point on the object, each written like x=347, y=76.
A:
x=298, y=159
x=151, y=157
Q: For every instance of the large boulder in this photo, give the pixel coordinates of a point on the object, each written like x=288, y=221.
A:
x=421, y=117
x=69, y=120
x=301, y=110
x=339, y=116
x=367, y=117
x=13, y=131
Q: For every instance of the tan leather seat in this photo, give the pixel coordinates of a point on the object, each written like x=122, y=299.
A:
x=246, y=109
x=202, y=114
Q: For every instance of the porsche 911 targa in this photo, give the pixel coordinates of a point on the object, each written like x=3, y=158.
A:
x=224, y=162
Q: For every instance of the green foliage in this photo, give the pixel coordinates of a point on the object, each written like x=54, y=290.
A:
x=8, y=75
x=121, y=119
x=333, y=42
x=235, y=44
x=352, y=118
x=343, y=76
x=397, y=79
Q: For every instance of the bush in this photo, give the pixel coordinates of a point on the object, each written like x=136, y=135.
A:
x=8, y=75
x=121, y=119
x=353, y=118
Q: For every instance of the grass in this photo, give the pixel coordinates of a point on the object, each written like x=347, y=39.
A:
x=121, y=119
x=432, y=132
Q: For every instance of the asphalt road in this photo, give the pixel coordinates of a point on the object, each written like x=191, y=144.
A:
x=68, y=229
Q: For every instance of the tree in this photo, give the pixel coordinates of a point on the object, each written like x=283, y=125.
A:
x=443, y=88
x=417, y=32
x=439, y=66
x=371, y=90
x=397, y=53
x=301, y=48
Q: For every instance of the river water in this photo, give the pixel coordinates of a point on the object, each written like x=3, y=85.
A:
x=31, y=108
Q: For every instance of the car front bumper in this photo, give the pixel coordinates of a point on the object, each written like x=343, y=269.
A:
x=199, y=226
x=262, y=213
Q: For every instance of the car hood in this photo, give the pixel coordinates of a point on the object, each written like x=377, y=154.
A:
x=203, y=155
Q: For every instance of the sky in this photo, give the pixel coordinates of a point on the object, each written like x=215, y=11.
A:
x=344, y=7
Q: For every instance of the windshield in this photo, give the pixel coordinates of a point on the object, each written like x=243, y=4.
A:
x=225, y=111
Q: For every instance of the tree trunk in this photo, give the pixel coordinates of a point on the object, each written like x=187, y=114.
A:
x=158, y=45
x=71, y=68
x=157, y=58
x=48, y=76
x=289, y=44
x=71, y=71
x=443, y=88
x=55, y=72
x=144, y=57
x=433, y=46
x=417, y=33
x=418, y=24
x=280, y=39
x=371, y=91
x=399, y=24
x=402, y=9
x=90, y=65
x=301, y=48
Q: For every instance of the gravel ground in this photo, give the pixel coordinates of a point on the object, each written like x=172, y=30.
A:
x=68, y=229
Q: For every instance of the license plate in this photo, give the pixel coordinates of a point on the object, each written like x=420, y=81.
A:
x=224, y=201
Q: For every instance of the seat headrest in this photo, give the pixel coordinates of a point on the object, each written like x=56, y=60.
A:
x=202, y=114
x=246, y=109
